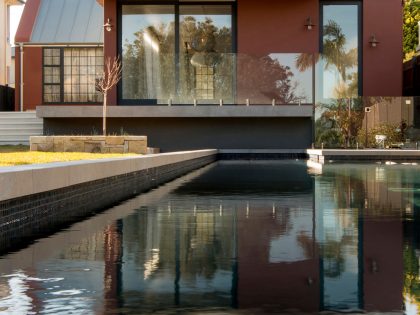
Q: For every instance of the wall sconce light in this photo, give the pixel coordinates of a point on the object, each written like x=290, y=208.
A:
x=373, y=41
x=108, y=25
x=309, y=25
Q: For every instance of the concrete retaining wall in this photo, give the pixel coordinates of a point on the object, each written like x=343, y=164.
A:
x=39, y=198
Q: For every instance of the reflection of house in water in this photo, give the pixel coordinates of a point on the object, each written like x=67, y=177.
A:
x=369, y=193
x=276, y=251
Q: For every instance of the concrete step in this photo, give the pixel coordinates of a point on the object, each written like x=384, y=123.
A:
x=30, y=125
x=10, y=121
x=17, y=127
x=23, y=132
x=17, y=114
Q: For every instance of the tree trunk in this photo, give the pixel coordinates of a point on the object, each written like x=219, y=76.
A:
x=104, y=115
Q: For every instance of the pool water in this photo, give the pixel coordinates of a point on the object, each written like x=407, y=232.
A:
x=235, y=237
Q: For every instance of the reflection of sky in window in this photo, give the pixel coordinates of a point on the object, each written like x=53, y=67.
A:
x=136, y=22
x=347, y=18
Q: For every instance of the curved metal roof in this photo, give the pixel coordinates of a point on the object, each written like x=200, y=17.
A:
x=68, y=22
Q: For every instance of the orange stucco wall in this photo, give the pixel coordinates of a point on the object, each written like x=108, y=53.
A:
x=32, y=78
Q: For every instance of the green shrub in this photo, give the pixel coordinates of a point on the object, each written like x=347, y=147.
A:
x=393, y=134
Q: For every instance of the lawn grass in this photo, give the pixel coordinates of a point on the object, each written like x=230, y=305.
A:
x=20, y=155
x=13, y=148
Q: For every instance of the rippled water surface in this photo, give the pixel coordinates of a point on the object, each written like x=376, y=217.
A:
x=235, y=237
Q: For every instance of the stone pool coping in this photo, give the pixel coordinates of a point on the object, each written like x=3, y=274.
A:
x=24, y=180
x=321, y=156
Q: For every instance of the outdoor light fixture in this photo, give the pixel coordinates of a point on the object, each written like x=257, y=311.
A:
x=373, y=41
x=108, y=25
x=309, y=25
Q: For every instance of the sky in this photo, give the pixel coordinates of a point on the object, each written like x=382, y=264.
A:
x=15, y=13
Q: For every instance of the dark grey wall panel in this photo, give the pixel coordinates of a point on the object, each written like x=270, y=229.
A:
x=173, y=134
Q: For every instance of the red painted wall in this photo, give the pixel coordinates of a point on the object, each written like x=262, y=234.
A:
x=268, y=26
x=32, y=78
x=382, y=66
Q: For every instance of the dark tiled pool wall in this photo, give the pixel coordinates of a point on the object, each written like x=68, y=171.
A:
x=27, y=218
x=262, y=156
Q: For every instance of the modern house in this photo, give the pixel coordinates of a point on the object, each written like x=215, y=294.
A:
x=6, y=67
x=197, y=74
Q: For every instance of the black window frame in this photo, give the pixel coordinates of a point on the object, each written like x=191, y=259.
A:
x=60, y=66
x=359, y=4
x=61, y=84
x=176, y=4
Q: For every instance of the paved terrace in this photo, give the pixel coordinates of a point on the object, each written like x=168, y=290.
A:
x=322, y=156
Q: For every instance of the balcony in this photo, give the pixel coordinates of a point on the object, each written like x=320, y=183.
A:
x=208, y=85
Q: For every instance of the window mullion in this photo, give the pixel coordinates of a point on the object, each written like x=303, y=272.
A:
x=177, y=52
x=61, y=75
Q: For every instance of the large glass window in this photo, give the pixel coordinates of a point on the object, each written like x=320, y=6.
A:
x=82, y=66
x=70, y=75
x=148, y=49
x=206, y=61
x=339, y=65
x=177, y=52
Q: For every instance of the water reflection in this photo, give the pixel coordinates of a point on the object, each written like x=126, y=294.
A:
x=250, y=236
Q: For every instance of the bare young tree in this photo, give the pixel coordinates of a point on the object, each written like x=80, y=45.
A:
x=110, y=77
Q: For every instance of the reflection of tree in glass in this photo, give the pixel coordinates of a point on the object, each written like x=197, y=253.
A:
x=262, y=79
x=201, y=40
x=158, y=41
x=205, y=46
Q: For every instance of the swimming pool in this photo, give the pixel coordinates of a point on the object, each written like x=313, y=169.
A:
x=235, y=237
